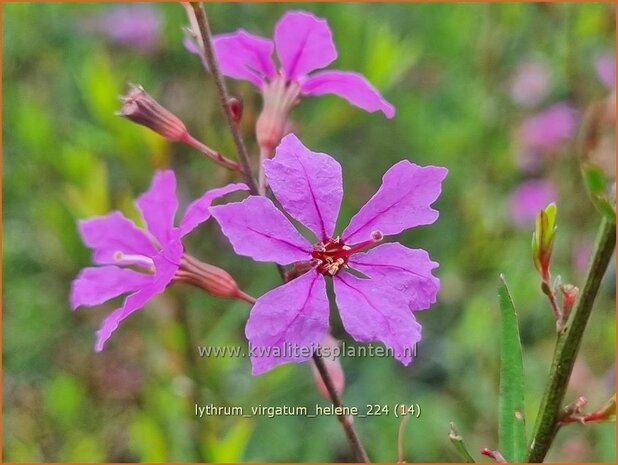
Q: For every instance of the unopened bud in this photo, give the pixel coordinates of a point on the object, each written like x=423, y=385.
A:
x=543, y=239
x=209, y=278
x=330, y=352
x=569, y=296
x=236, y=106
x=493, y=454
x=139, y=107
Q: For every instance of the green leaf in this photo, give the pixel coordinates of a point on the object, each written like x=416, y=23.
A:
x=512, y=426
x=460, y=445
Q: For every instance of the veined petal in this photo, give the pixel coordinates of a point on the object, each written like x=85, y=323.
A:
x=371, y=311
x=304, y=43
x=93, y=286
x=198, y=211
x=257, y=229
x=287, y=323
x=243, y=55
x=406, y=270
x=308, y=185
x=158, y=205
x=166, y=264
x=402, y=201
x=114, y=233
x=353, y=87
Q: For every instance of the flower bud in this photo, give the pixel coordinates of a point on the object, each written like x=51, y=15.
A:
x=139, y=107
x=493, y=454
x=329, y=351
x=236, y=106
x=569, y=296
x=209, y=278
x=543, y=239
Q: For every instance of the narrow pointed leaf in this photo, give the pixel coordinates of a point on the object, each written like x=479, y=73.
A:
x=511, y=425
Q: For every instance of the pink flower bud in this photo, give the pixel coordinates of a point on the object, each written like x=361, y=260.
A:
x=329, y=350
x=236, y=106
x=569, y=296
x=209, y=278
x=142, y=109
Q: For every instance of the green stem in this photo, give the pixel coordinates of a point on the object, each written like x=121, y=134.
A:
x=568, y=345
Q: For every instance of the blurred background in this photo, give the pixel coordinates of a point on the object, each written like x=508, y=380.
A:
x=494, y=92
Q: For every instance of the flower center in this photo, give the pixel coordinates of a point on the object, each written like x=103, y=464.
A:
x=330, y=256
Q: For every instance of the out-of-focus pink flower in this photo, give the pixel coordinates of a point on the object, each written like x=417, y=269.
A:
x=605, y=66
x=582, y=251
x=157, y=250
x=544, y=134
x=329, y=348
x=530, y=83
x=295, y=316
x=138, y=26
x=528, y=199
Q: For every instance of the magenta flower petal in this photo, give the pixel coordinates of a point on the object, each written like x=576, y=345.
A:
x=93, y=286
x=353, y=87
x=166, y=264
x=402, y=201
x=287, y=323
x=406, y=270
x=198, y=211
x=545, y=131
x=243, y=55
x=304, y=43
x=308, y=185
x=257, y=229
x=158, y=205
x=113, y=233
x=371, y=311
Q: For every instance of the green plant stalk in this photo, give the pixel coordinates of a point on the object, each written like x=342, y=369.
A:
x=213, y=64
x=568, y=345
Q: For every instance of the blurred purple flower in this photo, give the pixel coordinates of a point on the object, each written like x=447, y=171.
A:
x=544, y=134
x=156, y=250
x=582, y=251
x=304, y=44
x=605, y=66
x=530, y=83
x=309, y=187
x=135, y=25
x=528, y=199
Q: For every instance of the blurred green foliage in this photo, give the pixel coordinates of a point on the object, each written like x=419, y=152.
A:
x=446, y=67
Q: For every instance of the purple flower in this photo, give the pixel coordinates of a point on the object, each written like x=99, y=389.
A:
x=135, y=25
x=292, y=318
x=545, y=133
x=605, y=66
x=528, y=199
x=304, y=44
x=530, y=83
x=156, y=251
